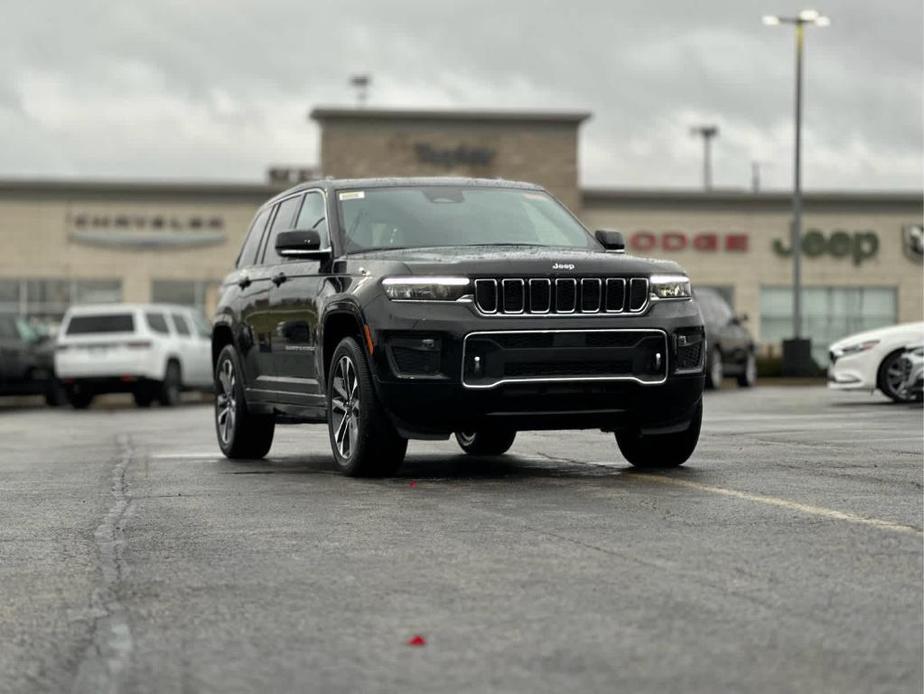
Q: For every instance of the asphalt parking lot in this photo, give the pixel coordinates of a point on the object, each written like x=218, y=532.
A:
x=785, y=556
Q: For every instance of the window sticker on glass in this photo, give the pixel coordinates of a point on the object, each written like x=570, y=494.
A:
x=352, y=195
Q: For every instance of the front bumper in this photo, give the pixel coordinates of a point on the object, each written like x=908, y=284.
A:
x=569, y=383
x=851, y=373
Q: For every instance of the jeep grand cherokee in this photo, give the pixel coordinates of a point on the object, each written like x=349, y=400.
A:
x=394, y=309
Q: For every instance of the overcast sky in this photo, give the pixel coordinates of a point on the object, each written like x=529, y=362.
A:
x=218, y=90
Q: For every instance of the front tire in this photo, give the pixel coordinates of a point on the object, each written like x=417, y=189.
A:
x=241, y=433
x=362, y=439
x=661, y=451
x=486, y=441
x=891, y=376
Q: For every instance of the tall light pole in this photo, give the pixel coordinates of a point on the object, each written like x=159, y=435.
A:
x=361, y=84
x=814, y=18
x=707, y=132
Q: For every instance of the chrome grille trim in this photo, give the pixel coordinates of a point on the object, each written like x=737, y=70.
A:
x=633, y=283
x=622, y=305
x=560, y=282
x=502, y=306
x=536, y=282
x=586, y=283
x=485, y=283
x=597, y=294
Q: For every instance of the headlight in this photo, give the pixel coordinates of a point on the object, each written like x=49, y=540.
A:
x=670, y=287
x=425, y=288
x=855, y=348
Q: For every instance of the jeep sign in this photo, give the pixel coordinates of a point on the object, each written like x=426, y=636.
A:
x=857, y=245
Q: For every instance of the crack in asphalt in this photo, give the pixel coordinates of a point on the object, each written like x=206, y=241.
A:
x=110, y=649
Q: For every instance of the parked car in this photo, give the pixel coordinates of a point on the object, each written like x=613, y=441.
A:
x=729, y=344
x=872, y=359
x=26, y=360
x=151, y=351
x=420, y=308
x=912, y=365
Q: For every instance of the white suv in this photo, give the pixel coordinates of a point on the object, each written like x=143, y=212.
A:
x=152, y=351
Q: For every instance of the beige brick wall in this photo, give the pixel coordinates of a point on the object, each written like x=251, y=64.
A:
x=36, y=242
x=539, y=152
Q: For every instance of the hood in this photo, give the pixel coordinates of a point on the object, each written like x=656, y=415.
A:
x=513, y=260
x=905, y=332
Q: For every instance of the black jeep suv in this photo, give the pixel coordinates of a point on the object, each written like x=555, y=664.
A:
x=417, y=308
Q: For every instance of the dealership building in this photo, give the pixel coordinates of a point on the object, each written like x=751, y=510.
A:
x=88, y=241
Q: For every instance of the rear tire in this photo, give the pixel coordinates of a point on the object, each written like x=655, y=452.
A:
x=241, y=433
x=748, y=377
x=661, y=451
x=55, y=395
x=486, y=441
x=363, y=440
x=170, y=387
x=715, y=370
x=79, y=398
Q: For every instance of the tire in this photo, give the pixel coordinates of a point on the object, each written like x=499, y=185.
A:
x=661, y=451
x=143, y=397
x=486, y=441
x=748, y=377
x=169, y=393
x=715, y=370
x=55, y=395
x=362, y=439
x=240, y=433
x=890, y=376
x=79, y=398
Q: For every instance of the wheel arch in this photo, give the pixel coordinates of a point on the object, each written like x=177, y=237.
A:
x=221, y=338
x=338, y=324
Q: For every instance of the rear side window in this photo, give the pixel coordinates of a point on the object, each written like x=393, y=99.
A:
x=248, y=254
x=182, y=327
x=157, y=322
x=104, y=323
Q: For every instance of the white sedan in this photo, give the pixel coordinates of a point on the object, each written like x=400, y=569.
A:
x=871, y=360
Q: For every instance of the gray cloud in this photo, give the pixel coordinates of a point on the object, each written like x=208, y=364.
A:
x=219, y=90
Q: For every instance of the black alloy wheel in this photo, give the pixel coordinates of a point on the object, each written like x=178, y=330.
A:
x=364, y=442
x=241, y=433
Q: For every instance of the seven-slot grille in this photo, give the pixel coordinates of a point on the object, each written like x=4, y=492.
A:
x=561, y=295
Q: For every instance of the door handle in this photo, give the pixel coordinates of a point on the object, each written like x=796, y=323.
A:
x=243, y=281
x=279, y=278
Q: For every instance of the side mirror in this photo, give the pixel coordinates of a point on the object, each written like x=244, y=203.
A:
x=299, y=243
x=611, y=240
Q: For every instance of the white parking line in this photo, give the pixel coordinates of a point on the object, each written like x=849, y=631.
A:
x=787, y=504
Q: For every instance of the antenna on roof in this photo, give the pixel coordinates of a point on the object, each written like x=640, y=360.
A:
x=361, y=84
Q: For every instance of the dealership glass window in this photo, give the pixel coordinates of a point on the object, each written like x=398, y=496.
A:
x=48, y=299
x=828, y=314
x=182, y=292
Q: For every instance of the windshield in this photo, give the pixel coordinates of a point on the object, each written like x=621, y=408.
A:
x=428, y=216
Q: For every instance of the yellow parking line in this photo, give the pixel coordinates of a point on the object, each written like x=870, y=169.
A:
x=787, y=504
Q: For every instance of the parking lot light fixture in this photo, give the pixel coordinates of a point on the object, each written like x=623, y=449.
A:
x=815, y=18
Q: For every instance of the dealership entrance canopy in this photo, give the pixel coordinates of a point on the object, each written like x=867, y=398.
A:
x=81, y=241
